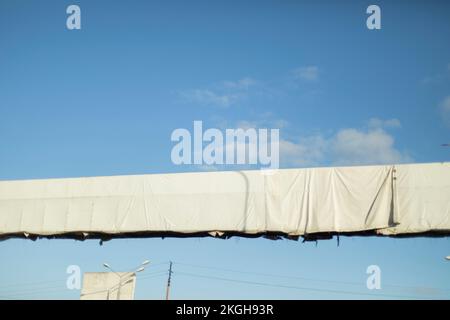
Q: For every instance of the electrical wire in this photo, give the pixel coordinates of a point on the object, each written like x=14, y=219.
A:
x=299, y=288
x=39, y=283
x=304, y=278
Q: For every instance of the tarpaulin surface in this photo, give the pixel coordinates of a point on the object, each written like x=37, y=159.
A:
x=400, y=199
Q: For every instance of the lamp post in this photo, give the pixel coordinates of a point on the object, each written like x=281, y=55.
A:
x=447, y=258
x=124, y=276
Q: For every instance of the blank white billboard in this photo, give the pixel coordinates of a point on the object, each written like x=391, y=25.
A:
x=108, y=286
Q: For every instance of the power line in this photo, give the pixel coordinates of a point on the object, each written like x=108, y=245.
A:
x=32, y=283
x=158, y=264
x=33, y=292
x=153, y=275
x=39, y=283
x=56, y=289
x=297, y=287
x=301, y=278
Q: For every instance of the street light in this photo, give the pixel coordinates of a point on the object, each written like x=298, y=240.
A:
x=140, y=269
x=124, y=276
x=447, y=257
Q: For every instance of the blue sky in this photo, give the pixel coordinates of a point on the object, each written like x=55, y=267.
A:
x=105, y=99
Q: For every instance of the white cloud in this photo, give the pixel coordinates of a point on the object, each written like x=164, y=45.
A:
x=209, y=97
x=432, y=79
x=262, y=124
x=348, y=146
x=438, y=77
x=223, y=95
x=227, y=93
x=307, y=151
x=308, y=73
x=242, y=84
x=380, y=123
x=374, y=146
x=245, y=124
x=445, y=110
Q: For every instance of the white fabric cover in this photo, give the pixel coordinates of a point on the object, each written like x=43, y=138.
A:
x=422, y=199
x=391, y=199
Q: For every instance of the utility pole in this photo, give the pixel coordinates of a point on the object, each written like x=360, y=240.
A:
x=168, y=281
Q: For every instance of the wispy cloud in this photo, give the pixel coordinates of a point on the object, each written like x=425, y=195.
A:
x=210, y=98
x=371, y=144
x=380, y=123
x=432, y=79
x=374, y=146
x=445, y=110
x=231, y=92
x=264, y=120
x=348, y=146
x=303, y=152
x=242, y=84
x=438, y=77
x=307, y=73
x=223, y=95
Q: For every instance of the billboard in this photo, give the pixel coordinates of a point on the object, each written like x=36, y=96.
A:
x=108, y=286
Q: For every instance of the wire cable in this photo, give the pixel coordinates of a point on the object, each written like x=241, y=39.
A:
x=299, y=288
